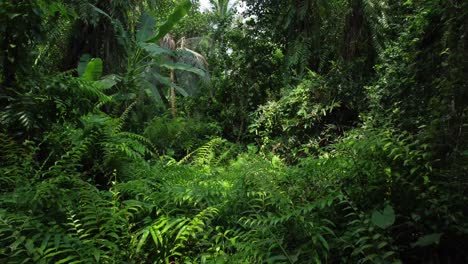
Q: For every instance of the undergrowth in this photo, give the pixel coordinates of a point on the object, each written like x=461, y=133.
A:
x=344, y=206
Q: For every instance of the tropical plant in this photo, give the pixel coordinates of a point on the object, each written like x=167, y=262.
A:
x=223, y=8
x=150, y=60
x=179, y=136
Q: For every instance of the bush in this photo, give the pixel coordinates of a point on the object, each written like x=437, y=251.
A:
x=305, y=119
x=178, y=136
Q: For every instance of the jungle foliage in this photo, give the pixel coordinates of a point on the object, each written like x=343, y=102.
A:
x=144, y=131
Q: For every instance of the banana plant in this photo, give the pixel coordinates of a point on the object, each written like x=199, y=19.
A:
x=156, y=50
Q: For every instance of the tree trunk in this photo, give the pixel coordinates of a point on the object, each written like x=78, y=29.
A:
x=173, y=107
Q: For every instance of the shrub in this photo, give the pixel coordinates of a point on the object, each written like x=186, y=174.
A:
x=178, y=136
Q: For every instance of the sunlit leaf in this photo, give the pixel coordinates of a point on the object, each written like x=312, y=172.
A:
x=84, y=59
x=93, y=70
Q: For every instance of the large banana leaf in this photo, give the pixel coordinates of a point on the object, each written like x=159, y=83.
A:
x=167, y=81
x=175, y=17
x=90, y=69
x=182, y=67
x=151, y=86
x=93, y=70
x=155, y=50
x=146, y=24
x=83, y=63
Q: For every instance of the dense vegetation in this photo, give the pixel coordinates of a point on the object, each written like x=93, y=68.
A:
x=148, y=131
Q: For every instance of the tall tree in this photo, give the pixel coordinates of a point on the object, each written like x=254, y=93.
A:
x=102, y=30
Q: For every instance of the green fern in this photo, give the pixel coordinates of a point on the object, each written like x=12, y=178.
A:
x=15, y=161
x=207, y=154
x=171, y=236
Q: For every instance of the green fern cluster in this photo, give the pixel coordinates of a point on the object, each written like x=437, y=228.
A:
x=177, y=137
x=37, y=104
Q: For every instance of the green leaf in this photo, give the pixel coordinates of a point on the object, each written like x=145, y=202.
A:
x=182, y=67
x=65, y=260
x=142, y=240
x=162, y=79
x=100, y=11
x=146, y=24
x=180, y=90
x=97, y=255
x=93, y=70
x=388, y=254
x=151, y=90
x=427, y=240
x=29, y=246
x=167, y=81
x=155, y=50
x=384, y=219
x=108, y=82
x=84, y=59
x=175, y=17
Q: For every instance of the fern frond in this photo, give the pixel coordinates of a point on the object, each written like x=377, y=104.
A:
x=171, y=235
x=70, y=161
x=205, y=154
x=123, y=118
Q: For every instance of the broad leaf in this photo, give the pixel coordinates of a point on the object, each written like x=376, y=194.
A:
x=93, y=70
x=84, y=59
x=384, y=219
x=151, y=90
x=166, y=81
x=427, y=240
x=155, y=50
x=108, y=81
x=175, y=17
x=146, y=25
x=182, y=67
x=180, y=90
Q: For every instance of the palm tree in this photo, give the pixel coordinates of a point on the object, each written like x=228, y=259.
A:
x=222, y=7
